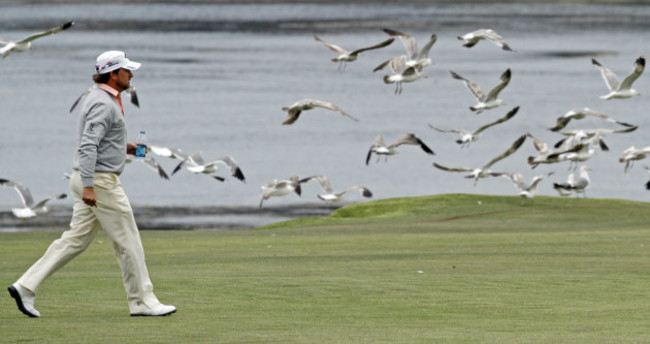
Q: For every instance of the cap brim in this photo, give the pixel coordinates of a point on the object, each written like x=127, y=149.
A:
x=132, y=65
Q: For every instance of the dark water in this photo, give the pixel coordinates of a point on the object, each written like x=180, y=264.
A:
x=215, y=77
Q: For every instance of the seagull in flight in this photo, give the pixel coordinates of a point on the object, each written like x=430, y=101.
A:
x=616, y=88
x=379, y=148
x=564, y=120
x=527, y=190
x=294, y=111
x=581, y=136
x=279, y=188
x=466, y=137
x=130, y=91
x=470, y=39
x=414, y=57
x=150, y=162
x=402, y=73
x=490, y=100
x=631, y=154
x=330, y=195
x=26, y=43
x=30, y=208
x=575, y=184
x=349, y=56
x=484, y=171
x=195, y=164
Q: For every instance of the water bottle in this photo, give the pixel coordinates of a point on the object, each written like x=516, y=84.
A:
x=141, y=142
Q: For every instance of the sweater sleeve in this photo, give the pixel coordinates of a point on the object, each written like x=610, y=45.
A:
x=96, y=125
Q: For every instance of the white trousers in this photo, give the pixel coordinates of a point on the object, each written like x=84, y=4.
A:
x=114, y=214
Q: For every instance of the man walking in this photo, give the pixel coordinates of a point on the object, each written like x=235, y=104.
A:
x=99, y=199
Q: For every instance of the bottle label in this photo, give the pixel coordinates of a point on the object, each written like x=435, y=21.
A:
x=141, y=151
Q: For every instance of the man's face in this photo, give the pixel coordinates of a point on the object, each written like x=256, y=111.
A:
x=123, y=78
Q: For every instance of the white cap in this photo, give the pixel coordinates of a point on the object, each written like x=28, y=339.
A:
x=112, y=60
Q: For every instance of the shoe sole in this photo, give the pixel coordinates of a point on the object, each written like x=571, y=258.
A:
x=19, y=302
x=154, y=315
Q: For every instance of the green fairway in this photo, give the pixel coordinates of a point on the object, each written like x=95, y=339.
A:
x=440, y=269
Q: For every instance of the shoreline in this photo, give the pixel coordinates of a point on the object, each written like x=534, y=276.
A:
x=177, y=217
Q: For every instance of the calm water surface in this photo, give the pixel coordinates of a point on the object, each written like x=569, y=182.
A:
x=215, y=77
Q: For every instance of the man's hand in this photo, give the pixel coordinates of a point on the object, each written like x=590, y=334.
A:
x=89, y=197
x=131, y=147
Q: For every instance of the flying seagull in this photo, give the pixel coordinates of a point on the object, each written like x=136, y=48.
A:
x=330, y=195
x=195, y=164
x=580, y=136
x=294, y=111
x=470, y=39
x=490, y=100
x=130, y=91
x=402, y=73
x=150, y=162
x=484, y=171
x=414, y=57
x=349, y=56
x=616, y=88
x=631, y=154
x=573, y=184
x=26, y=43
x=30, y=209
x=279, y=188
x=563, y=120
x=466, y=137
x=527, y=190
x=379, y=148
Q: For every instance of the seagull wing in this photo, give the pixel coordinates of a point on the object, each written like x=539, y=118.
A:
x=610, y=77
x=508, y=116
x=515, y=145
x=475, y=88
x=411, y=139
x=456, y=131
x=541, y=146
x=154, y=165
x=322, y=180
x=452, y=169
x=46, y=33
x=41, y=203
x=365, y=192
x=329, y=106
x=493, y=37
x=410, y=44
x=85, y=93
x=639, y=66
x=23, y=191
x=376, y=46
x=505, y=79
x=235, y=171
x=331, y=46
x=134, y=96
x=424, y=53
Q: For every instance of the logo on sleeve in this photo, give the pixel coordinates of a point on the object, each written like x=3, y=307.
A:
x=119, y=124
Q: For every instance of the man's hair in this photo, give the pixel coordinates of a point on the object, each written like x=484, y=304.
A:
x=103, y=78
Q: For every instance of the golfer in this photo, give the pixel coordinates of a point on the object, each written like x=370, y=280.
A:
x=99, y=199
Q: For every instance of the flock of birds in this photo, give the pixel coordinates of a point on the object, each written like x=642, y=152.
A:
x=576, y=147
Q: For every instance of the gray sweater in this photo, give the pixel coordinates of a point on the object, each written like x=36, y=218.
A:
x=101, y=137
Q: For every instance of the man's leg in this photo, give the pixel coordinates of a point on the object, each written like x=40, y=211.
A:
x=83, y=228
x=116, y=216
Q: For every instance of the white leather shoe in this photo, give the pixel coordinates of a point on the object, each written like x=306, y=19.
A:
x=24, y=300
x=157, y=310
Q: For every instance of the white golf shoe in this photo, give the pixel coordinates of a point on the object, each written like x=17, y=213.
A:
x=24, y=300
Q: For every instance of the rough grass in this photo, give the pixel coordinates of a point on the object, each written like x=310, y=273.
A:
x=439, y=269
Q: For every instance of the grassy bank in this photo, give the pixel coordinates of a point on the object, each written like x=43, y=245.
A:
x=440, y=269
